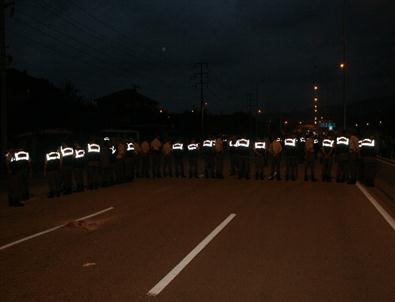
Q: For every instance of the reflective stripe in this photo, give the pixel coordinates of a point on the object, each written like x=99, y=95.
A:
x=79, y=153
x=113, y=150
x=107, y=139
x=52, y=156
x=208, y=143
x=328, y=143
x=302, y=140
x=130, y=147
x=367, y=143
x=278, y=139
x=93, y=148
x=243, y=143
x=290, y=142
x=192, y=147
x=231, y=144
x=260, y=145
x=66, y=151
x=342, y=141
x=178, y=146
x=316, y=141
x=21, y=155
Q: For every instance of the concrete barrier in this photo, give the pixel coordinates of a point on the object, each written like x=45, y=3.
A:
x=385, y=180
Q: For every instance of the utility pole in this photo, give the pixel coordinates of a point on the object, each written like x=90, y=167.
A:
x=203, y=82
x=344, y=67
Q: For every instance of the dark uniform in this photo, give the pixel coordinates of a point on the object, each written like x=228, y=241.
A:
x=209, y=158
x=130, y=161
x=93, y=166
x=167, y=160
x=291, y=159
x=341, y=152
x=67, y=154
x=193, y=152
x=219, y=158
x=53, y=172
x=368, y=150
x=327, y=149
x=14, y=193
x=79, y=168
x=178, y=152
x=233, y=157
x=243, y=147
x=260, y=155
x=156, y=146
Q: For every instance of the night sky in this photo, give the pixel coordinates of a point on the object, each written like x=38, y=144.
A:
x=103, y=46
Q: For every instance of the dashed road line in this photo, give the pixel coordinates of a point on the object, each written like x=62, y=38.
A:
x=188, y=258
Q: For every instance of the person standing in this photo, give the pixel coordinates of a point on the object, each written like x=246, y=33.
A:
x=13, y=186
x=156, y=146
x=259, y=159
x=353, y=158
x=291, y=161
x=233, y=156
x=22, y=166
x=209, y=158
x=193, y=151
x=341, y=152
x=327, y=150
x=219, y=158
x=309, y=158
x=275, y=150
x=243, y=146
x=67, y=155
x=120, y=161
x=53, y=172
x=167, y=159
x=178, y=151
x=145, y=153
x=369, y=150
x=93, y=165
x=79, y=167
x=130, y=161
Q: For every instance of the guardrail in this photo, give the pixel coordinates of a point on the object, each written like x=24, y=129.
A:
x=385, y=179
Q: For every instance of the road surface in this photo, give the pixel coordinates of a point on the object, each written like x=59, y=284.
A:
x=200, y=240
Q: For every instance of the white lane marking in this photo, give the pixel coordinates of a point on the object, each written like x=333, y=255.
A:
x=188, y=258
x=3, y=247
x=377, y=205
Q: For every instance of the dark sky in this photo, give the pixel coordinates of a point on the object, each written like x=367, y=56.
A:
x=104, y=45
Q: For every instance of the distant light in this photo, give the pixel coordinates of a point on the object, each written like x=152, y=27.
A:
x=161, y=111
x=316, y=99
x=300, y=123
x=356, y=125
x=315, y=122
x=286, y=122
x=322, y=117
x=106, y=139
x=259, y=111
x=193, y=111
x=315, y=118
x=380, y=122
x=315, y=87
x=367, y=124
x=205, y=103
x=342, y=65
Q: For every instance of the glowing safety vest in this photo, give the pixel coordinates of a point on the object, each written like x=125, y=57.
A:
x=178, y=146
x=193, y=147
x=129, y=147
x=342, y=140
x=19, y=156
x=260, y=145
x=79, y=153
x=52, y=156
x=245, y=143
x=291, y=142
x=367, y=143
x=208, y=143
x=328, y=143
x=93, y=148
x=66, y=151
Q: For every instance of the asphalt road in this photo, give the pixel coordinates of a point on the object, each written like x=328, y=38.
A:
x=289, y=241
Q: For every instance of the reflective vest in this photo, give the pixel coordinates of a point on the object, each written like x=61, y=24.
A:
x=178, y=146
x=342, y=140
x=367, y=147
x=260, y=145
x=208, y=143
x=302, y=140
x=328, y=143
x=129, y=147
x=68, y=151
x=20, y=156
x=193, y=147
x=52, y=161
x=245, y=143
x=93, y=148
x=79, y=153
x=290, y=142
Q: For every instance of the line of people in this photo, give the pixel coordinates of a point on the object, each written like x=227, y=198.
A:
x=104, y=162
